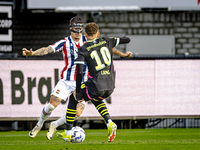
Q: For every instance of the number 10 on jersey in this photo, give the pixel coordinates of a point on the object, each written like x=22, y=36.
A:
x=104, y=51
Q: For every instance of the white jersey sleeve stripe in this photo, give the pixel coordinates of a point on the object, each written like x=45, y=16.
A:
x=117, y=43
x=79, y=62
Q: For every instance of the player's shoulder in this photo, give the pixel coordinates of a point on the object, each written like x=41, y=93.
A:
x=66, y=40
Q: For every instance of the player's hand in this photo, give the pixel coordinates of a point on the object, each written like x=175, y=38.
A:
x=26, y=52
x=128, y=54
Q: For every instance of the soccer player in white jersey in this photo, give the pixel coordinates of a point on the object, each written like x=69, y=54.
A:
x=67, y=84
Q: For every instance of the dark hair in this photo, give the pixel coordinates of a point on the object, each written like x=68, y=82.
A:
x=76, y=20
x=91, y=28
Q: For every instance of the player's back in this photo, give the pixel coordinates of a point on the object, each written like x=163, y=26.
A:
x=98, y=56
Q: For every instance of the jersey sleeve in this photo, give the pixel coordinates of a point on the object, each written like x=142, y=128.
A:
x=117, y=40
x=114, y=41
x=58, y=46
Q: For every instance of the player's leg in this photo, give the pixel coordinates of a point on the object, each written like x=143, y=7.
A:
x=112, y=127
x=46, y=112
x=63, y=89
x=79, y=109
x=102, y=109
x=62, y=120
x=80, y=106
x=70, y=116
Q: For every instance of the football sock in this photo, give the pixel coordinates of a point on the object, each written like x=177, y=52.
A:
x=71, y=112
x=46, y=112
x=76, y=118
x=102, y=109
x=60, y=121
x=68, y=132
x=84, y=102
x=109, y=121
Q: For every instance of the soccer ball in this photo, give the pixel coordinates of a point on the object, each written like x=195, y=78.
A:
x=78, y=135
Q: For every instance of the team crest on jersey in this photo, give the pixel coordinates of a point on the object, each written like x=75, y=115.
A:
x=58, y=91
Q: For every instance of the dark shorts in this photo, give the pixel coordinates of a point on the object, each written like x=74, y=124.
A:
x=100, y=95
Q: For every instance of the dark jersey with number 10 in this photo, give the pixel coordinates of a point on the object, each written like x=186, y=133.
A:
x=98, y=56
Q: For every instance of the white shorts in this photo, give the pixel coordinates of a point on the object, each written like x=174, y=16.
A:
x=64, y=88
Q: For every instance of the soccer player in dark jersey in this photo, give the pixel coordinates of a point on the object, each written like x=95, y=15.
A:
x=97, y=53
x=66, y=85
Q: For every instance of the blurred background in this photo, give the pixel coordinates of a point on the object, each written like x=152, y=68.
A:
x=163, y=34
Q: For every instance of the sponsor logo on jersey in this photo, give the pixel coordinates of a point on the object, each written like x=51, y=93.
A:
x=95, y=45
x=58, y=91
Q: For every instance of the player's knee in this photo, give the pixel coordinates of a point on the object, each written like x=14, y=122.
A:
x=55, y=100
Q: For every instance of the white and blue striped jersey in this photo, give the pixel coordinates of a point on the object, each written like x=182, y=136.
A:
x=69, y=49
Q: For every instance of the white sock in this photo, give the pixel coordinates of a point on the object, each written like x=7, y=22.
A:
x=84, y=102
x=76, y=118
x=109, y=121
x=45, y=114
x=68, y=132
x=60, y=121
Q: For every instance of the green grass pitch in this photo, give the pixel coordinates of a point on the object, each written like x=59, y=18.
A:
x=126, y=139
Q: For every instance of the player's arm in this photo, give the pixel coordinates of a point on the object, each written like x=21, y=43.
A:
x=79, y=77
x=119, y=53
x=39, y=52
x=79, y=61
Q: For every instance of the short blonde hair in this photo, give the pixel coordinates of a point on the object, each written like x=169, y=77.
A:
x=91, y=28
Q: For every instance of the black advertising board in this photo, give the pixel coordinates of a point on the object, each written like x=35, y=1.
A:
x=6, y=28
